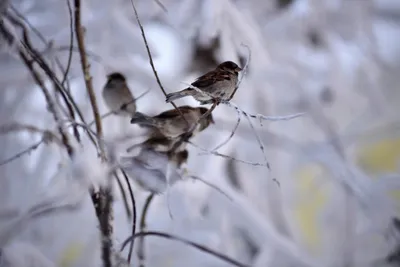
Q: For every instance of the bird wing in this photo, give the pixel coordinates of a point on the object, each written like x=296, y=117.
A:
x=173, y=113
x=211, y=78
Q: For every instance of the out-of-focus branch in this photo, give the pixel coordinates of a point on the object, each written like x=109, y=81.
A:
x=140, y=252
x=39, y=81
x=20, y=154
x=36, y=57
x=47, y=137
x=134, y=212
x=187, y=242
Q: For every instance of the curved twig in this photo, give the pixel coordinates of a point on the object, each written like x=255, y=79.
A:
x=187, y=242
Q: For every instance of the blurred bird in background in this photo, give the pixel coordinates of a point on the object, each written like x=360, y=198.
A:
x=117, y=96
x=218, y=84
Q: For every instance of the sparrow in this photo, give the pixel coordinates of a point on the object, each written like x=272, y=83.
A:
x=219, y=84
x=171, y=124
x=117, y=96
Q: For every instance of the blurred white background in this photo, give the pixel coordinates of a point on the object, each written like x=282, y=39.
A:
x=338, y=61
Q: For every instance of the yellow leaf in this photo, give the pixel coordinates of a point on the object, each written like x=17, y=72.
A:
x=380, y=157
x=70, y=255
x=311, y=202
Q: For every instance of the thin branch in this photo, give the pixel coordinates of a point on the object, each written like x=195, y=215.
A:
x=245, y=68
x=161, y=5
x=232, y=133
x=67, y=98
x=71, y=42
x=226, y=156
x=39, y=81
x=134, y=213
x=104, y=197
x=121, y=108
x=259, y=141
x=151, y=59
x=18, y=127
x=86, y=74
x=262, y=117
x=142, y=227
x=20, y=154
x=124, y=197
x=88, y=53
x=40, y=35
x=212, y=186
x=187, y=242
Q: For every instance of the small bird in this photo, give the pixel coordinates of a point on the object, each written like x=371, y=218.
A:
x=171, y=124
x=117, y=96
x=219, y=84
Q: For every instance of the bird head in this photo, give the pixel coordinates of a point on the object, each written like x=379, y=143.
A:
x=229, y=66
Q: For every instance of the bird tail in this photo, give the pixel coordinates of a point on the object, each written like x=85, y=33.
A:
x=142, y=119
x=174, y=96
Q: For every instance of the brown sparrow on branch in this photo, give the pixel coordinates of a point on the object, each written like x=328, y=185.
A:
x=218, y=84
x=171, y=124
x=117, y=96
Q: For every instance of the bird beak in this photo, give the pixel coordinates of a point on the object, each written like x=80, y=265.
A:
x=238, y=69
x=212, y=120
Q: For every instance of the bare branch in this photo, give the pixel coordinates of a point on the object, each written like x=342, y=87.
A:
x=71, y=42
x=151, y=59
x=262, y=117
x=161, y=5
x=67, y=98
x=212, y=186
x=226, y=156
x=20, y=154
x=187, y=242
x=232, y=133
x=86, y=74
x=103, y=199
x=244, y=70
x=39, y=81
x=113, y=111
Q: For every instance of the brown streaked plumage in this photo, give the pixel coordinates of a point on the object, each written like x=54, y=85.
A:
x=171, y=124
x=219, y=83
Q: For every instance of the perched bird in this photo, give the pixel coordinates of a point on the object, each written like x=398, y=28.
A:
x=117, y=95
x=219, y=83
x=171, y=124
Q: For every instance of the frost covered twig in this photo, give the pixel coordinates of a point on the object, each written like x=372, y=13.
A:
x=187, y=242
x=226, y=156
x=36, y=57
x=49, y=100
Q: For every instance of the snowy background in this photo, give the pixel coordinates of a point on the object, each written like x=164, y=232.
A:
x=338, y=61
